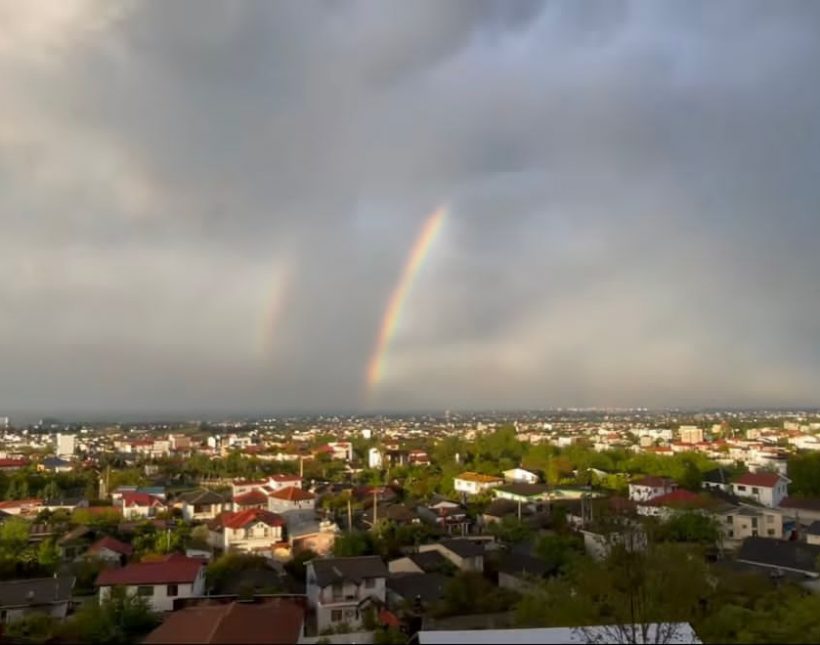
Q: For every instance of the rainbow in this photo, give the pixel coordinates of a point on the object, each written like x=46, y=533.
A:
x=392, y=313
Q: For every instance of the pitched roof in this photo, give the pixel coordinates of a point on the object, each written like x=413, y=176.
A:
x=429, y=561
x=172, y=569
x=203, y=496
x=479, y=478
x=523, y=490
x=13, y=463
x=35, y=591
x=112, y=544
x=428, y=587
x=253, y=497
x=268, y=621
x=653, y=482
x=241, y=519
x=764, y=480
x=77, y=533
x=355, y=569
x=801, y=503
x=678, y=497
x=463, y=548
x=292, y=494
x=780, y=554
x=135, y=498
x=502, y=507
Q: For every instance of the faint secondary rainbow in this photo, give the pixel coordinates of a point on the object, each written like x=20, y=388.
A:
x=392, y=313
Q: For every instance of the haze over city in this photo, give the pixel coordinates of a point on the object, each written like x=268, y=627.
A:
x=258, y=206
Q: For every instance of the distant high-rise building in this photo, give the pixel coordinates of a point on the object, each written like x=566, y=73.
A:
x=691, y=434
x=4, y=423
x=66, y=444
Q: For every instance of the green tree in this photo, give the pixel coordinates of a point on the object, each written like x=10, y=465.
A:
x=120, y=618
x=352, y=544
x=14, y=534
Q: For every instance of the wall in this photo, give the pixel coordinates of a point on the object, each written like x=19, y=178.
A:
x=161, y=601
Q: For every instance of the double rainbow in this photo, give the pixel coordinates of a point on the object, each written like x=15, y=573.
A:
x=392, y=313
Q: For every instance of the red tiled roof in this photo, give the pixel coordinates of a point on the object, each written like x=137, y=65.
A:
x=292, y=494
x=676, y=498
x=140, y=499
x=274, y=620
x=241, y=519
x=173, y=569
x=253, y=497
x=765, y=480
x=13, y=463
x=112, y=544
x=654, y=482
x=16, y=503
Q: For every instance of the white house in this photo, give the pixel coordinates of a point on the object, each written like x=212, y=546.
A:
x=475, y=483
x=160, y=582
x=646, y=488
x=768, y=489
x=520, y=476
x=137, y=505
x=109, y=550
x=339, y=588
x=201, y=505
x=292, y=503
x=252, y=530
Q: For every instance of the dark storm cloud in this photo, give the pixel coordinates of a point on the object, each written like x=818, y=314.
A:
x=207, y=204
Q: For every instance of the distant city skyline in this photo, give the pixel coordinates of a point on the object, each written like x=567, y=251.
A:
x=374, y=206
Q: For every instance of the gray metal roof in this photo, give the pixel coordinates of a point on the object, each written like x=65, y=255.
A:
x=355, y=569
x=35, y=591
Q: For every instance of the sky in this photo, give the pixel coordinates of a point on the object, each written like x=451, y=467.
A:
x=207, y=205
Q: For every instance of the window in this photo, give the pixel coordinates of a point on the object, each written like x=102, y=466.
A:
x=335, y=615
x=741, y=487
x=337, y=591
x=729, y=519
x=770, y=532
x=731, y=533
x=369, y=583
x=754, y=522
x=755, y=490
x=754, y=533
x=145, y=591
x=172, y=591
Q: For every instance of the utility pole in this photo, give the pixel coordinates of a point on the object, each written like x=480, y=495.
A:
x=375, y=507
x=301, y=467
x=349, y=516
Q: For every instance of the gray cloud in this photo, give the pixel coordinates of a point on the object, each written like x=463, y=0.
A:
x=207, y=204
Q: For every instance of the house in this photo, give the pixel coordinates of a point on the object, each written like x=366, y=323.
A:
x=251, y=530
x=768, y=489
x=292, y=503
x=474, y=483
x=138, y=505
x=55, y=465
x=262, y=621
x=648, y=487
x=339, y=588
x=159, y=582
x=520, y=476
x=64, y=504
x=252, y=499
x=201, y=505
x=668, y=504
x=422, y=562
x=783, y=556
x=23, y=507
x=418, y=458
x=802, y=509
x=20, y=598
x=10, y=465
x=337, y=450
x=522, y=493
x=463, y=553
x=450, y=517
x=717, y=479
x=318, y=537
x=277, y=482
x=738, y=522
x=110, y=550
x=416, y=589
x=242, y=486
x=498, y=509
x=518, y=571
x=374, y=458
x=75, y=542
x=398, y=514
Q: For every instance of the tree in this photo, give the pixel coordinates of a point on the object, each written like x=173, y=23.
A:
x=14, y=534
x=352, y=544
x=48, y=557
x=120, y=618
x=689, y=527
x=559, y=551
x=471, y=593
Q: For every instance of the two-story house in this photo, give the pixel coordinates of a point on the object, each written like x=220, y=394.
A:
x=159, y=582
x=338, y=589
x=252, y=530
x=647, y=488
x=520, y=476
x=475, y=483
x=466, y=555
x=450, y=517
x=768, y=489
x=740, y=522
x=292, y=503
x=201, y=505
x=136, y=505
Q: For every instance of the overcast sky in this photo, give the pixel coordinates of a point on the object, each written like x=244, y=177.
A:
x=206, y=205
